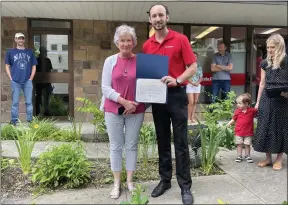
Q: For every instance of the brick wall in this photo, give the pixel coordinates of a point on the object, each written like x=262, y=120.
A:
x=89, y=53
x=10, y=26
x=89, y=56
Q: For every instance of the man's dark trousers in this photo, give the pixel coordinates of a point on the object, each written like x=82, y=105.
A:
x=176, y=111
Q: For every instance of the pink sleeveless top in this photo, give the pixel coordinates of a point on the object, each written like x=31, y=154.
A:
x=124, y=82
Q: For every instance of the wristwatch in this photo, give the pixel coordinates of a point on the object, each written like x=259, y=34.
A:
x=178, y=82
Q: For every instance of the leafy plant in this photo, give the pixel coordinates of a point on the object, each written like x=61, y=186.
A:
x=147, y=138
x=210, y=141
x=25, y=145
x=65, y=165
x=220, y=110
x=76, y=129
x=46, y=128
x=6, y=162
x=284, y=202
x=57, y=107
x=137, y=197
x=90, y=107
x=228, y=138
x=9, y=132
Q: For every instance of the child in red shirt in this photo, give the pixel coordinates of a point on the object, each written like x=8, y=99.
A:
x=244, y=128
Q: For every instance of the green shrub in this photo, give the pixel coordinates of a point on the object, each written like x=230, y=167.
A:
x=57, y=107
x=221, y=110
x=147, y=138
x=46, y=128
x=91, y=108
x=137, y=197
x=9, y=132
x=210, y=141
x=65, y=165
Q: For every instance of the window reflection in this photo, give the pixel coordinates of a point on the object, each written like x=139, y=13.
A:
x=51, y=99
x=204, y=41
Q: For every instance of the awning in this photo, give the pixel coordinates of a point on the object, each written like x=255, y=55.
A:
x=236, y=13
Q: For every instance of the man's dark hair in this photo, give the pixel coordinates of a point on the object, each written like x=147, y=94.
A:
x=221, y=42
x=159, y=4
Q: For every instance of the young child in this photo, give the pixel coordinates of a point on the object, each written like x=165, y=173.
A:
x=244, y=128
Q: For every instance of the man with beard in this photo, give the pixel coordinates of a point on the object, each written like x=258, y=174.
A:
x=20, y=68
x=175, y=45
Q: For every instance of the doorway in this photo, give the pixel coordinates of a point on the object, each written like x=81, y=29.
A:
x=53, y=82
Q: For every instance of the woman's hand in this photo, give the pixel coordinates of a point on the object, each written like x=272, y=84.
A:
x=196, y=84
x=129, y=106
x=284, y=94
x=257, y=106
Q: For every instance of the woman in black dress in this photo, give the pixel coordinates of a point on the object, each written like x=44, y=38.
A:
x=272, y=128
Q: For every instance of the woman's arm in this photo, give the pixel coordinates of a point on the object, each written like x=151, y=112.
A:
x=107, y=89
x=261, y=87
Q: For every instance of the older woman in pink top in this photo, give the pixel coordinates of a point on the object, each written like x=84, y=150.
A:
x=123, y=116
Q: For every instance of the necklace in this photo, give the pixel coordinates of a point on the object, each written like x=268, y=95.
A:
x=125, y=70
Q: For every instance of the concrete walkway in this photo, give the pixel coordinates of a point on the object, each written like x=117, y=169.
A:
x=243, y=184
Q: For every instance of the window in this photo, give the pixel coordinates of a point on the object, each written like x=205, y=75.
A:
x=53, y=47
x=204, y=41
x=64, y=47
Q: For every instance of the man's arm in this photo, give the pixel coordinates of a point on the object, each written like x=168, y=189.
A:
x=215, y=68
x=225, y=68
x=7, y=68
x=229, y=67
x=188, y=73
x=33, y=72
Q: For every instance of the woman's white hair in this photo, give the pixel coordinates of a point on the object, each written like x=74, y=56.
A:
x=122, y=30
x=280, y=52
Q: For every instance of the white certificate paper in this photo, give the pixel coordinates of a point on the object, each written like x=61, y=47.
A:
x=151, y=91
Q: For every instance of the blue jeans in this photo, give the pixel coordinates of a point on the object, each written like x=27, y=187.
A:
x=224, y=85
x=27, y=88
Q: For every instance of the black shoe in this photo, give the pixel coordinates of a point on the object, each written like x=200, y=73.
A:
x=160, y=188
x=12, y=123
x=187, y=197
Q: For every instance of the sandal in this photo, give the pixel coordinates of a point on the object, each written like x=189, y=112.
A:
x=115, y=193
x=264, y=163
x=277, y=166
x=130, y=186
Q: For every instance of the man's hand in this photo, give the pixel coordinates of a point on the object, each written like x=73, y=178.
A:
x=169, y=80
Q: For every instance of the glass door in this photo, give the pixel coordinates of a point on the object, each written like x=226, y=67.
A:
x=52, y=82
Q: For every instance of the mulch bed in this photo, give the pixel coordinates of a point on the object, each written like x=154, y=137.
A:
x=15, y=185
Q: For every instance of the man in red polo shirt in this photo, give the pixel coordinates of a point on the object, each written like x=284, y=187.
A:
x=175, y=45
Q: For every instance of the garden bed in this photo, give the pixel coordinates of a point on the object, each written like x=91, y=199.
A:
x=15, y=185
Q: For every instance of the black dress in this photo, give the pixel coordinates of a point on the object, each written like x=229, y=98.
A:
x=272, y=128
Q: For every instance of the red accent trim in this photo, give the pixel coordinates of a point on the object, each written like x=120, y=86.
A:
x=236, y=79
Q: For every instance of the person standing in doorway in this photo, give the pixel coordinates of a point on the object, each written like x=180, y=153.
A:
x=20, y=68
x=193, y=91
x=175, y=45
x=221, y=67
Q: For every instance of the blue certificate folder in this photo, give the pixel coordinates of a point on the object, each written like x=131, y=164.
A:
x=151, y=66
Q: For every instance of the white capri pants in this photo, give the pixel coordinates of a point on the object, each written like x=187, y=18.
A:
x=118, y=138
